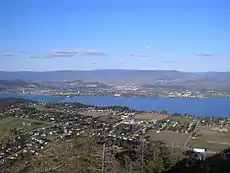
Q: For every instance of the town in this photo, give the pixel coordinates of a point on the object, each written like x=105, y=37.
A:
x=122, y=91
x=27, y=127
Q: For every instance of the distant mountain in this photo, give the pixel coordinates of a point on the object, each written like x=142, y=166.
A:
x=76, y=84
x=115, y=77
x=216, y=76
x=11, y=84
x=73, y=84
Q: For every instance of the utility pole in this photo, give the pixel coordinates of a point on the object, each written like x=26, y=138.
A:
x=103, y=159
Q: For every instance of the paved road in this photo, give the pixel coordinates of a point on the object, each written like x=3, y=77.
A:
x=189, y=138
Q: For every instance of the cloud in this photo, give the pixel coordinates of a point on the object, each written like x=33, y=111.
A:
x=5, y=54
x=34, y=57
x=95, y=52
x=51, y=55
x=23, y=53
x=69, y=53
x=148, y=47
x=60, y=55
x=144, y=55
x=47, y=56
x=205, y=54
x=169, y=62
x=80, y=52
x=137, y=55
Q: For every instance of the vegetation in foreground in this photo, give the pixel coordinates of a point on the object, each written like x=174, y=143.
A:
x=93, y=149
x=87, y=155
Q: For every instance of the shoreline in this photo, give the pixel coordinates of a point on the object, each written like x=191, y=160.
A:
x=206, y=107
x=69, y=96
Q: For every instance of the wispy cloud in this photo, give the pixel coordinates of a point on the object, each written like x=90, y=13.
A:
x=34, y=57
x=69, y=53
x=208, y=54
x=136, y=55
x=148, y=47
x=47, y=56
x=5, y=54
x=95, y=52
x=51, y=55
x=80, y=52
x=60, y=55
x=169, y=62
x=23, y=53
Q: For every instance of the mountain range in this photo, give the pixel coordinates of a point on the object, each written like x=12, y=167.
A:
x=132, y=77
x=14, y=84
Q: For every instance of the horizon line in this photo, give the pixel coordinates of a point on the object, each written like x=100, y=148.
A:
x=10, y=71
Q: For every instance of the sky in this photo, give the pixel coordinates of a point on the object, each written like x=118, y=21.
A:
x=41, y=35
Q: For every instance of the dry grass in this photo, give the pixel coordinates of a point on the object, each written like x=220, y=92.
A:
x=150, y=116
x=212, y=140
x=9, y=123
x=169, y=137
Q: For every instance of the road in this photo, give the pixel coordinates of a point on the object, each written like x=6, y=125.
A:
x=189, y=138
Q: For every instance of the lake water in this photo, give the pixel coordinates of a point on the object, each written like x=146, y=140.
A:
x=218, y=107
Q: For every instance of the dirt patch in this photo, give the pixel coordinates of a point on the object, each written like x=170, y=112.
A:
x=151, y=116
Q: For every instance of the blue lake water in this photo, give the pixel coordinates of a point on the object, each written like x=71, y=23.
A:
x=218, y=107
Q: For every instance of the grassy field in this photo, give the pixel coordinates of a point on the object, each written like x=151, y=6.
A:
x=169, y=137
x=7, y=124
x=212, y=140
x=180, y=119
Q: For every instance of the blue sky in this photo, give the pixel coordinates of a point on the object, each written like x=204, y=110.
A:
x=40, y=35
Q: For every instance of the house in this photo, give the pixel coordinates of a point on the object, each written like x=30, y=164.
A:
x=199, y=150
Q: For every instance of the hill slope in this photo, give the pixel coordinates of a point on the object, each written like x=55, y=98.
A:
x=11, y=84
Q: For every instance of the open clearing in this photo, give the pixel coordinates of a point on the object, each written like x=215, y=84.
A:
x=212, y=140
x=150, y=116
x=169, y=137
x=180, y=119
x=7, y=124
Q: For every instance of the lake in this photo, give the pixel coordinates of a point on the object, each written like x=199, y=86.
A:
x=218, y=107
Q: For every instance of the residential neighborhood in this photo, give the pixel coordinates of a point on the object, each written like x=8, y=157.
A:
x=36, y=124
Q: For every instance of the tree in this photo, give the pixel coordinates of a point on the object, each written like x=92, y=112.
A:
x=4, y=168
x=156, y=157
x=75, y=156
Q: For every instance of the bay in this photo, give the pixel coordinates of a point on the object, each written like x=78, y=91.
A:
x=217, y=107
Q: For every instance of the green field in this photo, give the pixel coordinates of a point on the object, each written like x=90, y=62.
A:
x=180, y=119
x=7, y=124
x=169, y=137
x=212, y=140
